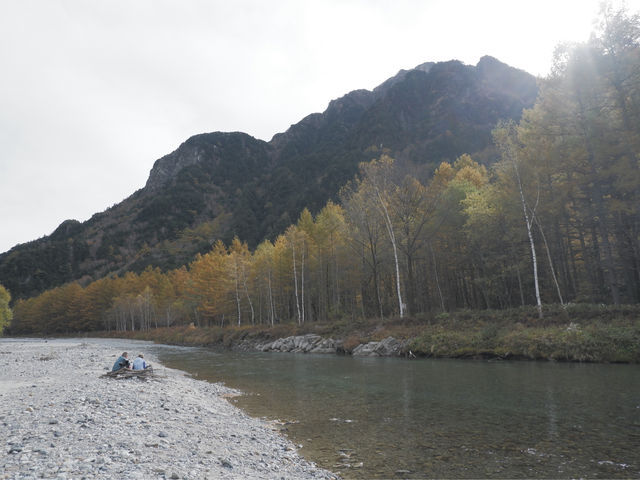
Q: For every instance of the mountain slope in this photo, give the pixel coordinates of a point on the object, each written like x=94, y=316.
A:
x=217, y=185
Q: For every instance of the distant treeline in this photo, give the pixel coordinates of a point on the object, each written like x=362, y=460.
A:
x=556, y=220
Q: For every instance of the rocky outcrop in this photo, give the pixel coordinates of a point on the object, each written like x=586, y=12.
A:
x=301, y=344
x=312, y=343
x=217, y=153
x=389, y=347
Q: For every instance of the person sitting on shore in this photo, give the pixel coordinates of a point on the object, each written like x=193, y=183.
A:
x=140, y=363
x=121, y=362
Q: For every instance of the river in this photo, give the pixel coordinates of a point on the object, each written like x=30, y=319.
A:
x=396, y=418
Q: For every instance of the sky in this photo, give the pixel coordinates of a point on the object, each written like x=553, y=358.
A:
x=92, y=92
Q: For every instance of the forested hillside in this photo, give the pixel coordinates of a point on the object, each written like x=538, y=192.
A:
x=219, y=185
x=555, y=220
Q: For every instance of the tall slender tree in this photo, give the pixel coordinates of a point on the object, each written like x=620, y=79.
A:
x=506, y=139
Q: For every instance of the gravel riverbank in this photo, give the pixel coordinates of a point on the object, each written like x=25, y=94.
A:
x=59, y=418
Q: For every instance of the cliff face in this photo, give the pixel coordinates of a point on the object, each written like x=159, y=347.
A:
x=223, y=155
x=217, y=185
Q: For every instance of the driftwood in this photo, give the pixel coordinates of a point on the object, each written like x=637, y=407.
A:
x=128, y=373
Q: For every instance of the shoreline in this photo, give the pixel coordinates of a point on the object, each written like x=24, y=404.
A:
x=60, y=418
x=585, y=341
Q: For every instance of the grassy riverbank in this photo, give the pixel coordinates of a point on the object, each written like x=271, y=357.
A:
x=582, y=333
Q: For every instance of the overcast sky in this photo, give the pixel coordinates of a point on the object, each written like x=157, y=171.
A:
x=92, y=92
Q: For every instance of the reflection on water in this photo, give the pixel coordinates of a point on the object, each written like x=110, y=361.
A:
x=393, y=418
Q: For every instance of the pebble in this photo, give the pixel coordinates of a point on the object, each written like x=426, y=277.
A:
x=60, y=423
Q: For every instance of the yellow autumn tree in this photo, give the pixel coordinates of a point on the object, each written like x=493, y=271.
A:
x=6, y=315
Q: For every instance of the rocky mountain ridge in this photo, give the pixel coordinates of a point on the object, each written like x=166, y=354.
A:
x=221, y=184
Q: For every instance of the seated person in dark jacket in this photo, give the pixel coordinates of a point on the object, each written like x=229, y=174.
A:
x=121, y=362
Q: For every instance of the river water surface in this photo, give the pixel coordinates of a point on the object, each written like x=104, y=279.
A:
x=395, y=418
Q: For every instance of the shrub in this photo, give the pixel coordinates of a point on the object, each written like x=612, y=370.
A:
x=351, y=342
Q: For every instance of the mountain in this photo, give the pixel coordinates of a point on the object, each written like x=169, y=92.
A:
x=217, y=185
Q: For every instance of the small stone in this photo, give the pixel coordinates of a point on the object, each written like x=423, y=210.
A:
x=163, y=434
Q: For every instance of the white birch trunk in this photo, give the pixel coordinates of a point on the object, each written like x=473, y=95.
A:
x=532, y=244
x=553, y=271
x=302, y=280
x=237, y=291
x=246, y=292
x=392, y=237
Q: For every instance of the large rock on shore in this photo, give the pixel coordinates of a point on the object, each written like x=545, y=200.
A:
x=309, y=343
x=389, y=347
